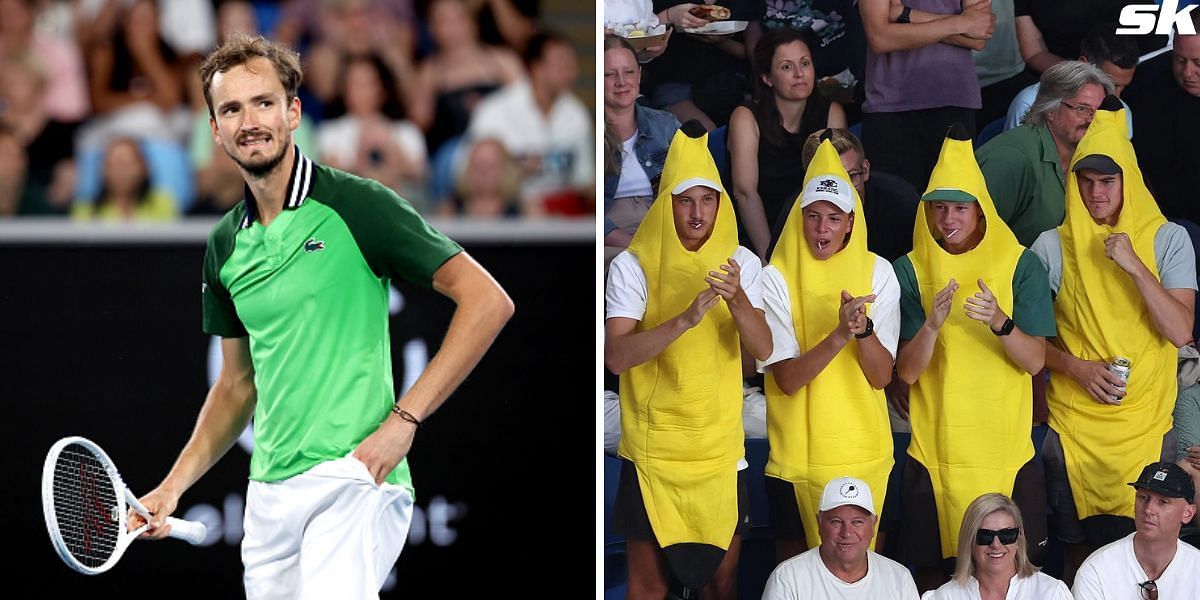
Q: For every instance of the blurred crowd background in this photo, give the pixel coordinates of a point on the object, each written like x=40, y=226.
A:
x=102, y=116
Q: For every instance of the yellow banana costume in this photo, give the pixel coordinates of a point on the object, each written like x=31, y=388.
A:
x=972, y=407
x=837, y=424
x=681, y=412
x=1100, y=315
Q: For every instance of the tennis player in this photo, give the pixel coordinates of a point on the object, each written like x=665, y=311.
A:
x=296, y=285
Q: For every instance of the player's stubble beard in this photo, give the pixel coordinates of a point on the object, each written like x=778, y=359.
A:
x=262, y=168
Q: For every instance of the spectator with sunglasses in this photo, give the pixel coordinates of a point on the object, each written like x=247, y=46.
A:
x=992, y=562
x=1150, y=562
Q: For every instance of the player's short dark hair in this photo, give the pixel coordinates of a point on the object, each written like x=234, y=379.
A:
x=239, y=49
x=535, y=50
x=1102, y=44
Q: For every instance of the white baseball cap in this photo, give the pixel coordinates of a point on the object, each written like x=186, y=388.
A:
x=847, y=490
x=830, y=188
x=691, y=182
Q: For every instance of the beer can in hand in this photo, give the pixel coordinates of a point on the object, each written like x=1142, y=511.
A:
x=1120, y=366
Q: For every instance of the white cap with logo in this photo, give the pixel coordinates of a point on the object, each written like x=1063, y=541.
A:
x=830, y=188
x=847, y=490
x=691, y=182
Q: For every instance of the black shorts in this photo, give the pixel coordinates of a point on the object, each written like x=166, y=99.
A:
x=783, y=510
x=629, y=511
x=920, y=540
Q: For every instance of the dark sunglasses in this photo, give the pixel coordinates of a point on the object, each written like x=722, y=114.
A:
x=984, y=537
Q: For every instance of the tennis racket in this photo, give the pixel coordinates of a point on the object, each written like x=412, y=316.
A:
x=87, y=506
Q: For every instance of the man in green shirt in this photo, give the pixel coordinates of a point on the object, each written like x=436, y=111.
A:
x=296, y=284
x=1024, y=167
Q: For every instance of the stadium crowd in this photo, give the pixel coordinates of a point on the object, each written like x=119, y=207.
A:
x=967, y=232
x=464, y=107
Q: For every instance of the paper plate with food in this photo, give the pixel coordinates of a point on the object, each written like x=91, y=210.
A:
x=711, y=12
x=719, y=28
x=642, y=34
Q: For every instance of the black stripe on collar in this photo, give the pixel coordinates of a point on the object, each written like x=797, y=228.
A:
x=298, y=187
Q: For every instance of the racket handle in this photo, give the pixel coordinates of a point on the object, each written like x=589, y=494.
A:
x=192, y=532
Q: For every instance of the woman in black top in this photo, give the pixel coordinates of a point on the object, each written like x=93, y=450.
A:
x=767, y=137
x=459, y=73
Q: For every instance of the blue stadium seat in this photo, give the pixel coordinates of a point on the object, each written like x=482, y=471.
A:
x=167, y=161
x=441, y=170
x=267, y=14
x=716, y=147
x=989, y=131
x=616, y=573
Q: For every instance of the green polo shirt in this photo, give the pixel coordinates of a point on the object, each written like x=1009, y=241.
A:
x=1025, y=181
x=1033, y=310
x=311, y=292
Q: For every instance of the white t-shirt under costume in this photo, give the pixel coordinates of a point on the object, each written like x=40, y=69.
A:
x=1113, y=572
x=885, y=312
x=626, y=292
x=633, y=181
x=806, y=576
x=1039, y=586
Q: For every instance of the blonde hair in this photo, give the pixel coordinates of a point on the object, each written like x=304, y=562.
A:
x=613, y=150
x=964, y=567
x=510, y=181
x=842, y=139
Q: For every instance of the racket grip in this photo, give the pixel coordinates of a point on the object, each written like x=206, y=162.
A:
x=192, y=532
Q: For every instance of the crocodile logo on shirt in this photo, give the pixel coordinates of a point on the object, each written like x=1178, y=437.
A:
x=313, y=245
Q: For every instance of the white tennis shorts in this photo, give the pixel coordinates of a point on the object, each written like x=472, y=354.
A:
x=329, y=532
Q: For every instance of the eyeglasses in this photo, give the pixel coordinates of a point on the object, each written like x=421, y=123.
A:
x=984, y=537
x=1081, y=110
x=857, y=174
x=1149, y=590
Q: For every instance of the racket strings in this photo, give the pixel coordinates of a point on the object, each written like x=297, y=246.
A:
x=85, y=506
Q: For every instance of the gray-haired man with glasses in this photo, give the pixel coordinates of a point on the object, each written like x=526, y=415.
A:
x=1151, y=562
x=1025, y=168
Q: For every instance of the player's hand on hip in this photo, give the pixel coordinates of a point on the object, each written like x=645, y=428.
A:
x=161, y=502
x=385, y=448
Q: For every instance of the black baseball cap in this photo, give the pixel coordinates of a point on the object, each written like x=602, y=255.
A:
x=1168, y=479
x=1099, y=162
